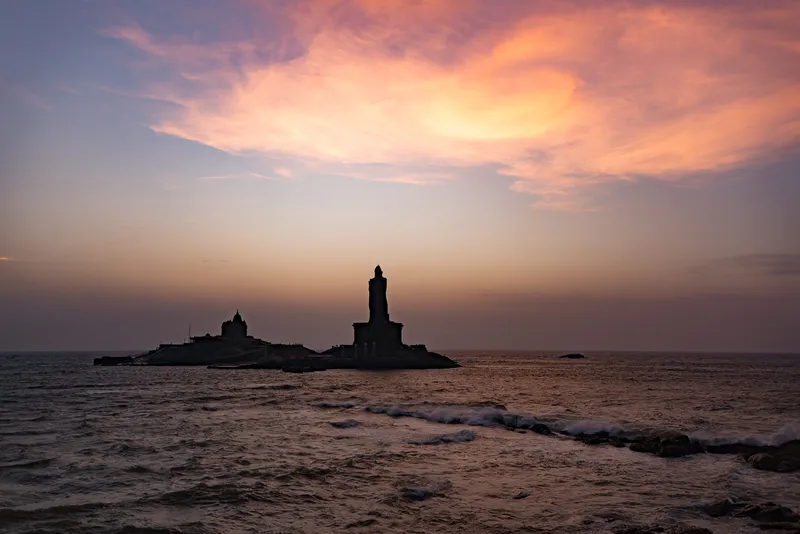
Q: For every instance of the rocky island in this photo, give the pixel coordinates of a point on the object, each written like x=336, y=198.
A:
x=377, y=344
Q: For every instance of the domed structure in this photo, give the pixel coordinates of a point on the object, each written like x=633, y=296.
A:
x=236, y=328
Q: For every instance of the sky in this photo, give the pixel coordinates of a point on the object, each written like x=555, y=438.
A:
x=565, y=175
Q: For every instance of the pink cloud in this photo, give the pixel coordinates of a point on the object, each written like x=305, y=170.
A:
x=561, y=97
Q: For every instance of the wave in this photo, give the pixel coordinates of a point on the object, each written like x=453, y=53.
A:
x=127, y=449
x=44, y=462
x=214, y=494
x=138, y=469
x=14, y=514
x=493, y=414
x=785, y=434
x=306, y=472
x=277, y=387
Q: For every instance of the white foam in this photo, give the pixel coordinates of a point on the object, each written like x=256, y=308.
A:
x=786, y=433
x=450, y=415
x=496, y=415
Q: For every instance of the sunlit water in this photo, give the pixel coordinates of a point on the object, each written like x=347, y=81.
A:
x=138, y=449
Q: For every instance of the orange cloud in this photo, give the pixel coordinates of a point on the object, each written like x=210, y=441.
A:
x=562, y=97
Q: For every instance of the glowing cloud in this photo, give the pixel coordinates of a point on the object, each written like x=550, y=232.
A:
x=560, y=96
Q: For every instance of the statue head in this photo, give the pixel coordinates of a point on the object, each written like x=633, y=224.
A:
x=378, y=272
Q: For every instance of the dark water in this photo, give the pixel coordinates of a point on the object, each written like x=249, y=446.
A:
x=137, y=449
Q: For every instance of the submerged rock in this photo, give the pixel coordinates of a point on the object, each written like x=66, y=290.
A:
x=458, y=437
x=601, y=438
x=781, y=459
x=768, y=515
x=540, y=428
x=348, y=423
x=668, y=445
x=419, y=489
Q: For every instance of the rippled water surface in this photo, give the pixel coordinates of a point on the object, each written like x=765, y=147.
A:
x=138, y=449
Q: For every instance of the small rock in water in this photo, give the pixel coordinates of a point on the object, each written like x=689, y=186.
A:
x=522, y=495
x=419, y=489
x=667, y=445
x=540, y=428
x=573, y=356
x=347, y=423
x=782, y=459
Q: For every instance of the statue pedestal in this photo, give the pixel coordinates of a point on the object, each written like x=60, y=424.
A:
x=377, y=338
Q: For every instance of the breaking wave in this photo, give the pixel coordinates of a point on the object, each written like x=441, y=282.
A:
x=51, y=512
x=493, y=414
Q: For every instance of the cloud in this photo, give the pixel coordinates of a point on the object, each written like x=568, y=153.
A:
x=6, y=258
x=560, y=96
x=237, y=176
x=769, y=264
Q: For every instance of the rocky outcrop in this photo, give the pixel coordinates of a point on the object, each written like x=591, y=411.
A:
x=403, y=357
x=114, y=360
x=783, y=458
x=768, y=515
x=667, y=445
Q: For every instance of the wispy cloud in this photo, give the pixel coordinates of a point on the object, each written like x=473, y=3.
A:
x=561, y=96
x=768, y=264
x=237, y=176
x=7, y=258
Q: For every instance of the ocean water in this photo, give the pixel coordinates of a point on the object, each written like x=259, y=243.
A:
x=141, y=450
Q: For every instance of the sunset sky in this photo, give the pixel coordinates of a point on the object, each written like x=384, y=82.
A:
x=568, y=174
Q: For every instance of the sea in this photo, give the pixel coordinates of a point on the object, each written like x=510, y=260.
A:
x=140, y=450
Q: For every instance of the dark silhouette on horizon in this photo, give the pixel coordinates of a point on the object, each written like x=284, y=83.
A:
x=377, y=344
x=380, y=335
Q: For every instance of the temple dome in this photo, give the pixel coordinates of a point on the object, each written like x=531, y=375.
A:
x=234, y=328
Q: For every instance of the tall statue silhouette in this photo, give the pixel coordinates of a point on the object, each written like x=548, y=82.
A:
x=378, y=304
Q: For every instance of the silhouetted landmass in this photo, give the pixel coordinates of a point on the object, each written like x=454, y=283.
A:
x=377, y=344
x=572, y=356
